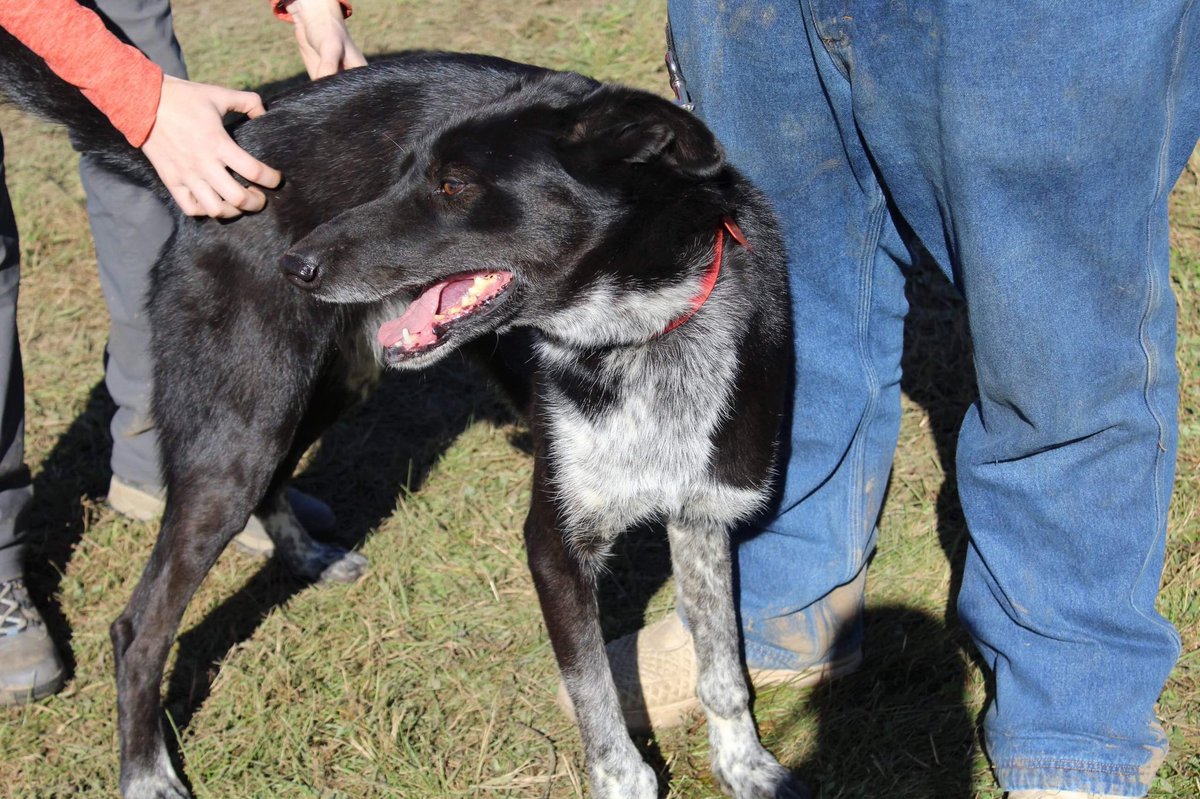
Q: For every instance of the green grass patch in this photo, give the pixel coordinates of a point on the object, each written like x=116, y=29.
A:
x=433, y=677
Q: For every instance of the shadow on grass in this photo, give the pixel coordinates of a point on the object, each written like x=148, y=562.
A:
x=898, y=726
x=73, y=477
x=379, y=452
x=939, y=375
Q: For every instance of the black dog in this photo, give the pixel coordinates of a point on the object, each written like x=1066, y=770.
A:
x=499, y=196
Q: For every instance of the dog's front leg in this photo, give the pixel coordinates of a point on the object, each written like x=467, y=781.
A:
x=702, y=563
x=566, y=590
x=142, y=638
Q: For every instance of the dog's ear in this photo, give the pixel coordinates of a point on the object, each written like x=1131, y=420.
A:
x=623, y=125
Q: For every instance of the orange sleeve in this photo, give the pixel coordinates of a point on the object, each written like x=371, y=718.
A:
x=115, y=77
x=280, y=9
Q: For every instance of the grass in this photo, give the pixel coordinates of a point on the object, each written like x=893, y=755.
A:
x=432, y=677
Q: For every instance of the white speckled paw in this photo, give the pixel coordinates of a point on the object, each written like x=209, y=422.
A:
x=628, y=780
x=156, y=786
x=758, y=776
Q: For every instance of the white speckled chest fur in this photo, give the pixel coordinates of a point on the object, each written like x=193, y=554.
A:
x=648, y=453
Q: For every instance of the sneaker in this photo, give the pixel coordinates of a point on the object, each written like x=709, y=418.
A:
x=655, y=670
x=147, y=504
x=30, y=667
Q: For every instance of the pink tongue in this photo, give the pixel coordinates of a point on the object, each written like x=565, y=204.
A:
x=418, y=318
x=453, y=292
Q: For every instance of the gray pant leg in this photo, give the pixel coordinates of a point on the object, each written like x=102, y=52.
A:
x=129, y=227
x=147, y=25
x=16, y=488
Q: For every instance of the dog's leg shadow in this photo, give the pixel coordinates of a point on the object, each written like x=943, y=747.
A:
x=203, y=647
x=384, y=449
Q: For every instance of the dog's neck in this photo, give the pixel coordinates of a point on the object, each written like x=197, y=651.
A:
x=607, y=318
x=701, y=345
x=709, y=281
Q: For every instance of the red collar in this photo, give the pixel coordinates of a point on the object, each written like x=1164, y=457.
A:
x=714, y=271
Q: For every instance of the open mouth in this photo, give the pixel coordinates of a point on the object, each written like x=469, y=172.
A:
x=440, y=307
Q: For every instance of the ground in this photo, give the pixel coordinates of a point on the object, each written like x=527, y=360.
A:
x=432, y=676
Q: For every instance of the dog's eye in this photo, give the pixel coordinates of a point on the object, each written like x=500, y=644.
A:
x=451, y=187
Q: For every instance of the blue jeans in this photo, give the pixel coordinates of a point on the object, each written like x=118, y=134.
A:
x=1030, y=148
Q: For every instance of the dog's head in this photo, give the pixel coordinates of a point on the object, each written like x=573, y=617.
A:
x=551, y=207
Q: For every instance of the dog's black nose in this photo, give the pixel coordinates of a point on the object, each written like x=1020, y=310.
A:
x=301, y=270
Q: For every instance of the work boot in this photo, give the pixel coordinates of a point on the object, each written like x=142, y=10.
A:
x=147, y=504
x=655, y=669
x=30, y=667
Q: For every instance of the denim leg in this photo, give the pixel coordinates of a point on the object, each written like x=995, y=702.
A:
x=782, y=115
x=1031, y=148
x=16, y=487
x=129, y=227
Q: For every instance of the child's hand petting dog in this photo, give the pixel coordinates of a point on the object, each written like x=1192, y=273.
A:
x=188, y=145
x=190, y=150
x=325, y=44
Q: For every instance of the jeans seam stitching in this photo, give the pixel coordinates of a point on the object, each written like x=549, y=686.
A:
x=862, y=329
x=1153, y=301
x=817, y=29
x=1038, y=763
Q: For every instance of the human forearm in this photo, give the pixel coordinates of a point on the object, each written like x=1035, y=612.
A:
x=115, y=77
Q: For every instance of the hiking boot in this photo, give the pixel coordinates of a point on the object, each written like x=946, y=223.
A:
x=30, y=667
x=655, y=670
x=147, y=504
